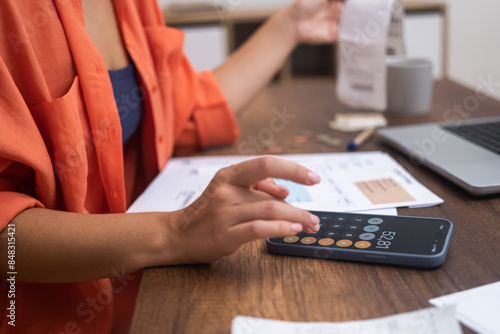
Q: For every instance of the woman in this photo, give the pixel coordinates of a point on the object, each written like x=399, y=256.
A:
x=97, y=96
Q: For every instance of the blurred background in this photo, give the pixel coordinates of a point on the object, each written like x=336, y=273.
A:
x=461, y=37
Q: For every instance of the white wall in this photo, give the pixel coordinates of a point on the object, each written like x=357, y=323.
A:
x=205, y=46
x=474, y=42
x=429, y=25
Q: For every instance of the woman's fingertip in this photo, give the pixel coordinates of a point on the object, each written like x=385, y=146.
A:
x=284, y=190
x=296, y=227
x=314, y=219
x=313, y=178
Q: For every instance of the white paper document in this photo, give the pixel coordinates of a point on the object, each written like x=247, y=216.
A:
x=350, y=182
x=368, y=30
x=427, y=321
x=477, y=308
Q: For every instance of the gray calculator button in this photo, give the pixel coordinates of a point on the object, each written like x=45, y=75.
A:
x=340, y=219
x=367, y=236
x=371, y=228
x=375, y=221
x=353, y=227
x=349, y=235
x=336, y=226
x=357, y=220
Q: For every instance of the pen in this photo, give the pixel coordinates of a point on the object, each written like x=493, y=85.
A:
x=359, y=139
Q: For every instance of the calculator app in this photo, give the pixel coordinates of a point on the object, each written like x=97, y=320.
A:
x=412, y=235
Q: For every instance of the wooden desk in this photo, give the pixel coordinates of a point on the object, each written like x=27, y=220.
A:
x=205, y=298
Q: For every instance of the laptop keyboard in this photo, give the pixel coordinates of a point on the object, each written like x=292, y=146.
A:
x=486, y=135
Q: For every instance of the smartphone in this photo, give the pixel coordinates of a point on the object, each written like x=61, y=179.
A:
x=417, y=242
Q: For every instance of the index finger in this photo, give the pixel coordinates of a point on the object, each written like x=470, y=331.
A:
x=252, y=171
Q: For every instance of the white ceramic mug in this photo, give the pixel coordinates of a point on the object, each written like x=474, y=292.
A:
x=409, y=85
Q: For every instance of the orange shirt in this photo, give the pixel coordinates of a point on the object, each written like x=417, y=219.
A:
x=60, y=136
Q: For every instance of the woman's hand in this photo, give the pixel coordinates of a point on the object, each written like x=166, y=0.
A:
x=250, y=67
x=240, y=204
x=315, y=21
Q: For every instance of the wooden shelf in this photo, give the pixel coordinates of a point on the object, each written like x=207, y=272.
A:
x=205, y=13
x=240, y=23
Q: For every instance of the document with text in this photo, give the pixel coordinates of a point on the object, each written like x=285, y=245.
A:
x=349, y=182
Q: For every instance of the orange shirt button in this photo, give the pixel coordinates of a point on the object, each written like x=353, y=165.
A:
x=344, y=243
x=129, y=42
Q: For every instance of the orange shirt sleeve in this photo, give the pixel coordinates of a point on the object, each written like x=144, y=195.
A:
x=21, y=153
x=12, y=203
x=211, y=121
x=12, y=199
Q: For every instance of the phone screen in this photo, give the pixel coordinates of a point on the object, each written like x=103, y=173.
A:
x=386, y=234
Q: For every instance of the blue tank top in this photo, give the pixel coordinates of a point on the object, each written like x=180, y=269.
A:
x=129, y=99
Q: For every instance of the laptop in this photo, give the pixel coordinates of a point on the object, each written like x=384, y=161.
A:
x=467, y=152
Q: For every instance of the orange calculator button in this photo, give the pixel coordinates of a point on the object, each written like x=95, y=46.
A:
x=344, y=243
x=308, y=240
x=291, y=239
x=326, y=241
x=362, y=244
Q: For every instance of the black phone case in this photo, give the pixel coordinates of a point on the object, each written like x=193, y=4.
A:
x=278, y=246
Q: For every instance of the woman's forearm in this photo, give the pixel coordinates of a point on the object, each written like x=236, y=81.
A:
x=56, y=247
x=250, y=67
x=242, y=203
